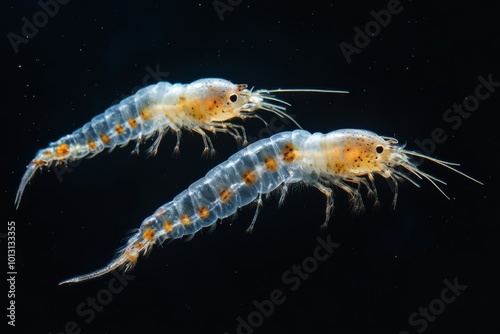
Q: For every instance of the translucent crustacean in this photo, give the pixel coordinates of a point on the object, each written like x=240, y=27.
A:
x=201, y=106
x=346, y=159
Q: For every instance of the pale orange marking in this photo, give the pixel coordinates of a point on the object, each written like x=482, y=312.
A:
x=271, y=164
x=168, y=226
x=203, y=212
x=119, y=129
x=132, y=122
x=225, y=195
x=249, y=177
x=185, y=220
x=145, y=114
x=105, y=139
x=138, y=245
x=62, y=149
x=48, y=154
x=91, y=144
x=131, y=256
x=149, y=234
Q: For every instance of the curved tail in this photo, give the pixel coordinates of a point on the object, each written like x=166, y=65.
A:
x=117, y=263
x=34, y=165
x=126, y=258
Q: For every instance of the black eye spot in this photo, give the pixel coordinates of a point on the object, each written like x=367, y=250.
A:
x=379, y=149
x=233, y=97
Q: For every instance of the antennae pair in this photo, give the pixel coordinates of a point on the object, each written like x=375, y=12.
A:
x=432, y=179
x=280, y=110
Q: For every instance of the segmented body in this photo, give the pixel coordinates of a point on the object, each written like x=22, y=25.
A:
x=201, y=106
x=345, y=159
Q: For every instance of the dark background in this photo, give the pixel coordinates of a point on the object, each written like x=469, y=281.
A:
x=390, y=262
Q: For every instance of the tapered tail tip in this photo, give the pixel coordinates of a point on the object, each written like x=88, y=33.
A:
x=100, y=272
x=28, y=175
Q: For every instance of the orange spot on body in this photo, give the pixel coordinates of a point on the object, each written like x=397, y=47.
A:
x=249, y=178
x=105, y=139
x=168, y=226
x=62, y=149
x=38, y=162
x=132, y=122
x=119, y=129
x=47, y=153
x=145, y=114
x=91, y=144
x=185, y=220
x=201, y=110
x=138, y=245
x=203, y=212
x=289, y=152
x=131, y=255
x=149, y=234
x=353, y=157
x=225, y=195
x=271, y=164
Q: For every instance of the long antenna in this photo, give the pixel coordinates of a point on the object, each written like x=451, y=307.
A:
x=306, y=90
x=443, y=163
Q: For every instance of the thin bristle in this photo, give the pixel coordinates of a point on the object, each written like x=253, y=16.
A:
x=442, y=163
x=420, y=155
x=281, y=113
x=276, y=100
x=428, y=177
x=407, y=178
x=279, y=90
x=410, y=167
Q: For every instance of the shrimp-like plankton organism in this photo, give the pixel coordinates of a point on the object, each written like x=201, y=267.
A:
x=203, y=105
x=345, y=159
